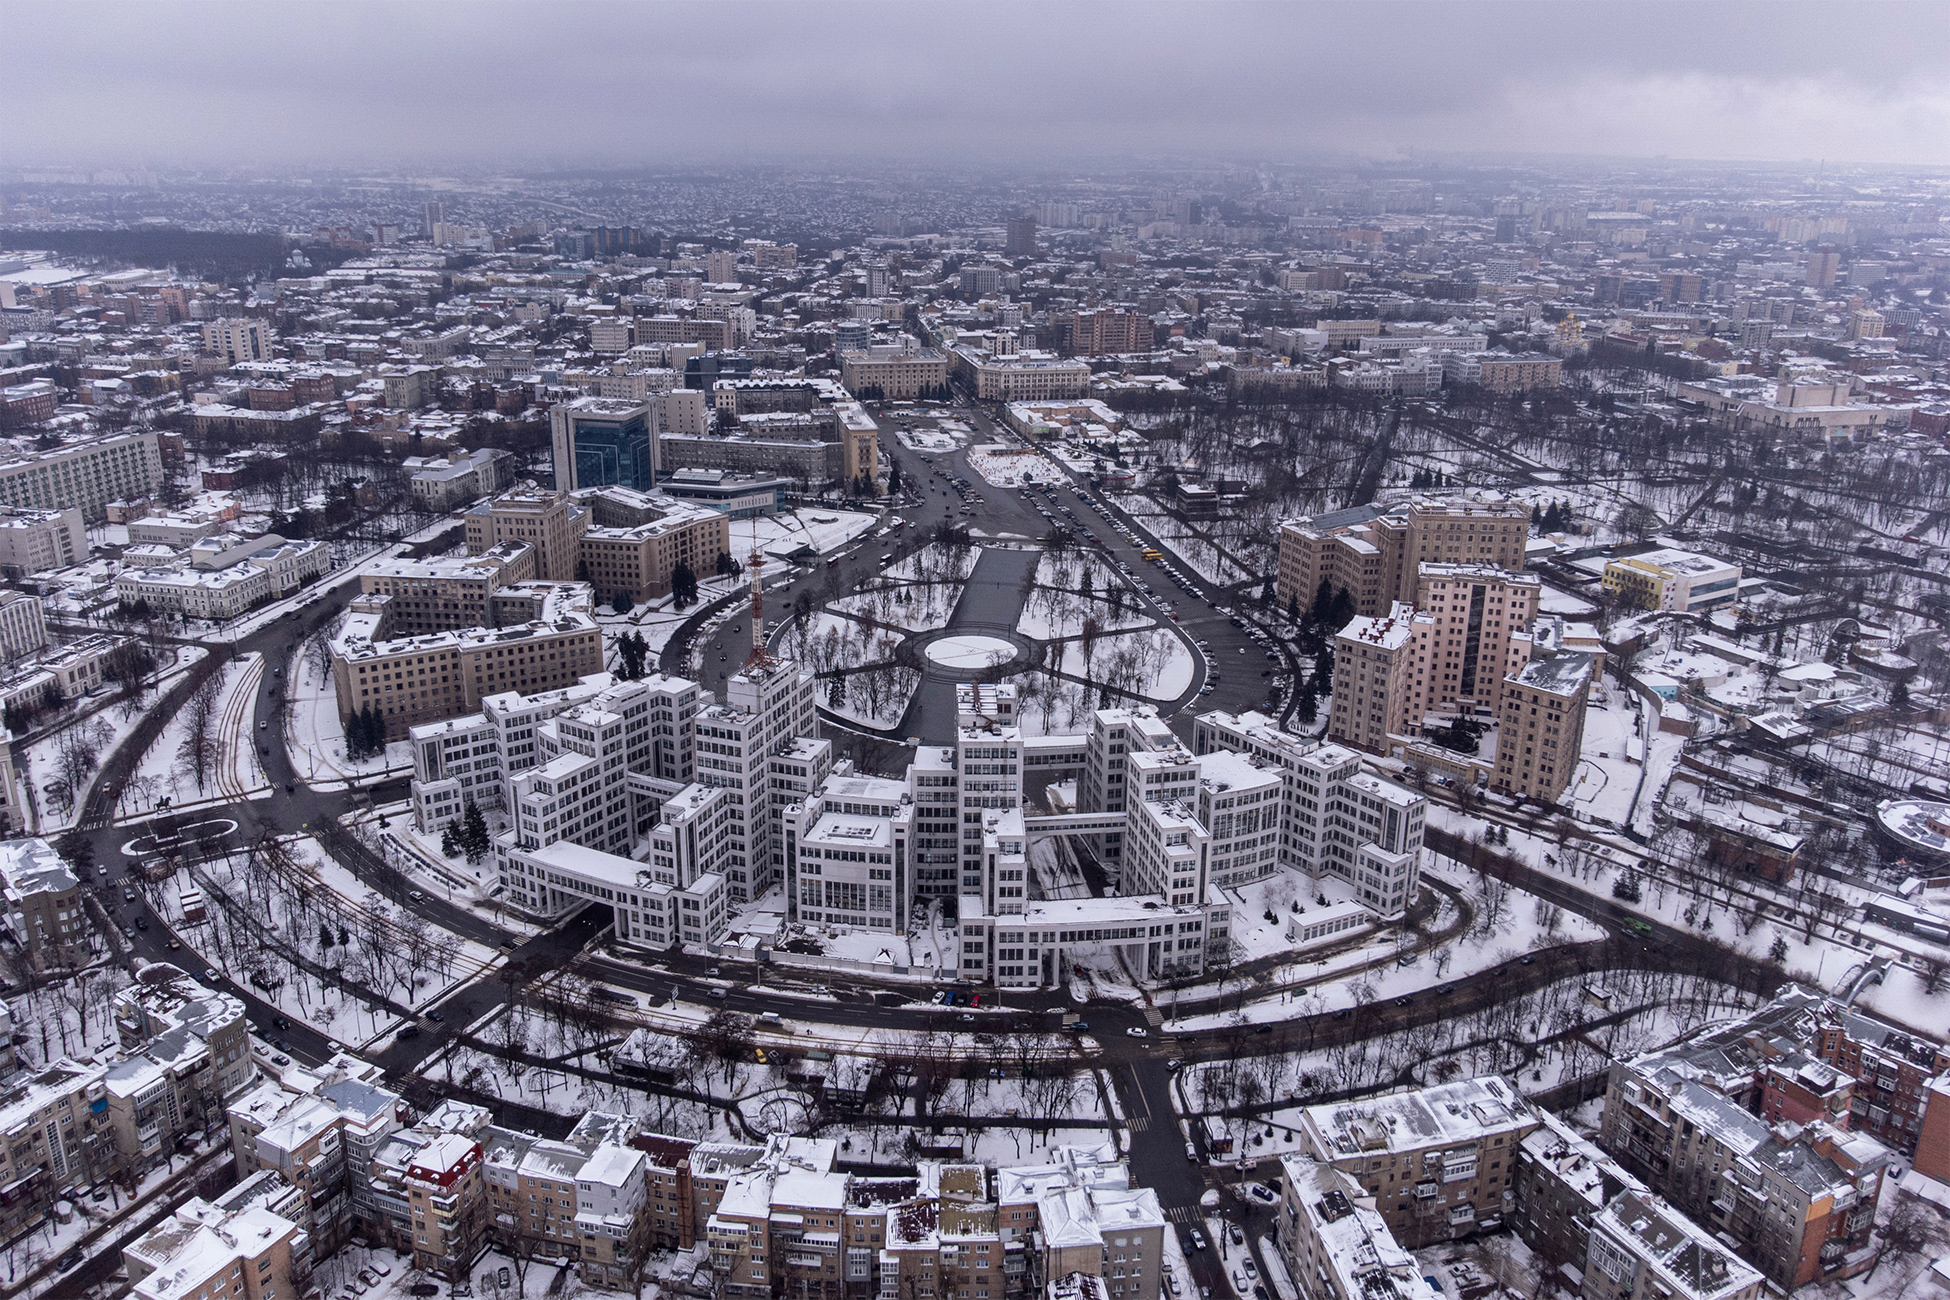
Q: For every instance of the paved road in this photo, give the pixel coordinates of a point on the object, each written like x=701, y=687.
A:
x=991, y=602
x=929, y=499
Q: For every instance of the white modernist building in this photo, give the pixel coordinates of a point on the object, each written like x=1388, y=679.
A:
x=645, y=795
x=870, y=853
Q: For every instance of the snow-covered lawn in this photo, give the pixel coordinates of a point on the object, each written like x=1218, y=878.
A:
x=824, y=530
x=1009, y=467
x=106, y=725
x=916, y=607
x=316, y=737
x=236, y=771
x=877, y=697
x=1158, y=667
x=1609, y=765
x=970, y=653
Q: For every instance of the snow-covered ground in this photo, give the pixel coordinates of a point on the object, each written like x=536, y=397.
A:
x=1609, y=766
x=316, y=738
x=823, y=529
x=373, y=945
x=876, y=697
x=971, y=653
x=1009, y=467
x=236, y=771
x=106, y=725
x=1161, y=666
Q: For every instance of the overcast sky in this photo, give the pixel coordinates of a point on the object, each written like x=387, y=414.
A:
x=646, y=83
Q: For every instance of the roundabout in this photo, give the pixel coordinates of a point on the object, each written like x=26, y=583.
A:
x=1071, y=631
x=969, y=653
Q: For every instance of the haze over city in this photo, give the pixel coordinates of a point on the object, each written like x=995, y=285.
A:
x=998, y=652
x=497, y=85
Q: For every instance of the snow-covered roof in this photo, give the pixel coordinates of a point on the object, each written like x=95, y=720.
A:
x=1464, y=1111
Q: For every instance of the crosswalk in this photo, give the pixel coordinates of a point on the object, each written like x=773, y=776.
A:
x=1185, y=1214
x=1138, y=1123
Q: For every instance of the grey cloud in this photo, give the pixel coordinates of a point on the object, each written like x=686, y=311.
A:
x=354, y=82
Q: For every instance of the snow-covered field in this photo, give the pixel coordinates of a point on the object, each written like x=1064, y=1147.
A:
x=105, y=726
x=824, y=530
x=877, y=697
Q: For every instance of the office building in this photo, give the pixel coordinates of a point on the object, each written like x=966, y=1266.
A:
x=551, y=522
x=1674, y=580
x=1006, y=374
x=1335, y=819
x=600, y=443
x=639, y=560
x=895, y=371
x=848, y=854
x=440, y=481
x=611, y=770
x=227, y=575
x=407, y=680
x=40, y=541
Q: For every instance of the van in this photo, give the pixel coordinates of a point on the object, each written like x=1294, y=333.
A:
x=770, y=1018
x=886, y=559
x=1191, y=1152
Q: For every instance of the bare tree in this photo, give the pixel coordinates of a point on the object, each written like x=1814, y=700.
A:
x=77, y=753
x=202, y=745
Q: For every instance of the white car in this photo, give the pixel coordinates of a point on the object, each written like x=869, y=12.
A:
x=1137, y=1031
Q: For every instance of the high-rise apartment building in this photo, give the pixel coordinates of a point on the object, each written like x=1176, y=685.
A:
x=1476, y=653
x=1105, y=330
x=1021, y=240
x=1376, y=555
x=238, y=340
